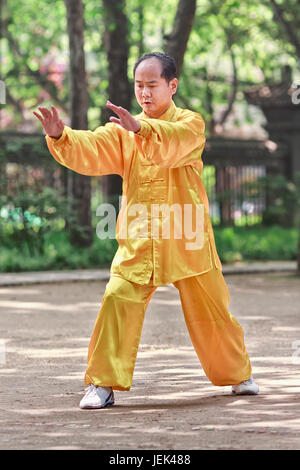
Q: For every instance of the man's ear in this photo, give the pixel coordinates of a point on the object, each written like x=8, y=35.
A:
x=173, y=85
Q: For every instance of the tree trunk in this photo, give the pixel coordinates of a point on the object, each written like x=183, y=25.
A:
x=81, y=232
x=176, y=42
x=298, y=254
x=140, y=10
x=119, y=88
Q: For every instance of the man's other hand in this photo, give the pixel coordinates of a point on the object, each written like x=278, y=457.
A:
x=126, y=120
x=51, y=122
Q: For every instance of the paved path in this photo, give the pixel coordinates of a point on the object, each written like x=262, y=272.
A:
x=14, y=279
x=44, y=335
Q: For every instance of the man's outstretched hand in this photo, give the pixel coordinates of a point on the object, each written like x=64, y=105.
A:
x=53, y=125
x=51, y=122
x=126, y=120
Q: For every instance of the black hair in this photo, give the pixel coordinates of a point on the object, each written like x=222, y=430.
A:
x=168, y=64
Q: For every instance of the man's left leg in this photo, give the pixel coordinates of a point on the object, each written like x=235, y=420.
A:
x=217, y=336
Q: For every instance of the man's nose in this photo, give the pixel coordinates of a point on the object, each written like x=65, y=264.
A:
x=146, y=92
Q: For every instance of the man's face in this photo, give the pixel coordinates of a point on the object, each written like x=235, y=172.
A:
x=152, y=91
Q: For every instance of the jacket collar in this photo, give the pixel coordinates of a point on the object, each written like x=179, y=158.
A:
x=166, y=116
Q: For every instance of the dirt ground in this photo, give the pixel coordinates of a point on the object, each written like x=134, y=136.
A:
x=45, y=329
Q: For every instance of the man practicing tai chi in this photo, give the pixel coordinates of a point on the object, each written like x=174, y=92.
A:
x=158, y=155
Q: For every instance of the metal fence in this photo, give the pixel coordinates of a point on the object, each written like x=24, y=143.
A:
x=232, y=170
x=231, y=199
x=231, y=167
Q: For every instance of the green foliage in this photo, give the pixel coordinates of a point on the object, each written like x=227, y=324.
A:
x=57, y=254
x=233, y=244
x=36, y=62
x=264, y=244
x=27, y=217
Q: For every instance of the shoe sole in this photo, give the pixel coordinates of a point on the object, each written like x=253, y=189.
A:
x=246, y=392
x=96, y=407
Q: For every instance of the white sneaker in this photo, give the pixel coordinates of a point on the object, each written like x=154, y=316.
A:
x=97, y=397
x=248, y=387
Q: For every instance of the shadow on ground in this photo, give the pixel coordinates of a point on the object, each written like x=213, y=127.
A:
x=46, y=328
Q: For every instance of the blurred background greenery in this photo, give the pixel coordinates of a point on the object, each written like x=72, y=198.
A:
x=238, y=64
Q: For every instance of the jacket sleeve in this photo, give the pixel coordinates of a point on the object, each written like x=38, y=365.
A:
x=172, y=144
x=90, y=153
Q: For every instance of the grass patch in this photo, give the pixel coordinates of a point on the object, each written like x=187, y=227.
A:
x=233, y=244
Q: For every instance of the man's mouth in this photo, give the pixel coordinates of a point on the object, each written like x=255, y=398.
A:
x=147, y=102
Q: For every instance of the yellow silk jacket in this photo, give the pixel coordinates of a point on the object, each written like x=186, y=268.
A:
x=161, y=168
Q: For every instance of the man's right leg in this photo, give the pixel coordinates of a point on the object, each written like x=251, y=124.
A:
x=116, y=336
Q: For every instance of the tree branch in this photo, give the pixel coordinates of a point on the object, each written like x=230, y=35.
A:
x=35, y=74
x=286, y=26
x=234, y=88
x=14, y=102
x=186, y=103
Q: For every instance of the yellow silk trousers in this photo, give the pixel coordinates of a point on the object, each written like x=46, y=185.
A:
x=217, y=337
